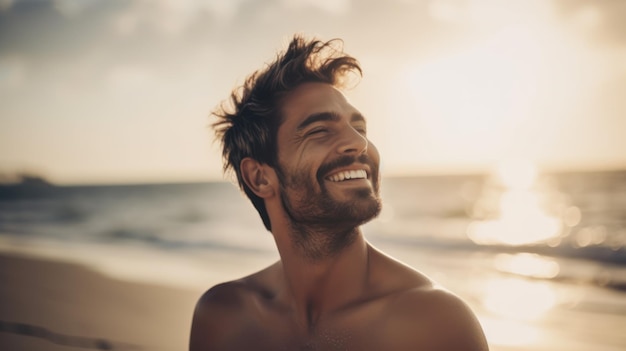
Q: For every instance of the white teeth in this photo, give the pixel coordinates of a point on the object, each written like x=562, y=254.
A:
x=345, y=175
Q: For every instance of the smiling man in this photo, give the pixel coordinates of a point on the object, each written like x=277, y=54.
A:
x=301, y=154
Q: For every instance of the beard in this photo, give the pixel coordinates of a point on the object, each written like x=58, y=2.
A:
x=322, y=225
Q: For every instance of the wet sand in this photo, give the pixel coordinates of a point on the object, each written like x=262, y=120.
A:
x=50, y=305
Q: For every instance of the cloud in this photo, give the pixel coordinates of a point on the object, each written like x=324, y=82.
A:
x=335, y=7
x=72, y=8
x=445, y=11
x=601, y=20
x=5, y=5
x=173, y=17
x=488, y=13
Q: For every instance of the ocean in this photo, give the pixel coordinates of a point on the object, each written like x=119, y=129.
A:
x=540, y=258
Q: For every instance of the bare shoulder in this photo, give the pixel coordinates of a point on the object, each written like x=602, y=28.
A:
x=221, y=299
x=215, y=316
x=421, y=313
x=436, y=317
x=223, y=310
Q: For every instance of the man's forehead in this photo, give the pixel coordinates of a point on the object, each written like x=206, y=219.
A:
x=311, y=98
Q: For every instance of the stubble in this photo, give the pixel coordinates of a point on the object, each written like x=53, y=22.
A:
x=322, y=226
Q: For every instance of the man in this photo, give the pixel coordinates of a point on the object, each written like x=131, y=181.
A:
x=300, y=152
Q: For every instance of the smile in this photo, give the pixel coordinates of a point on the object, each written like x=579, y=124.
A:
x=347, y=175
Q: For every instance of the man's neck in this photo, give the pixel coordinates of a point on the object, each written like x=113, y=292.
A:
x=317, y=287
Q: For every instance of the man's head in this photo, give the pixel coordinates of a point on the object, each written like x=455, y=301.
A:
x=250, y=128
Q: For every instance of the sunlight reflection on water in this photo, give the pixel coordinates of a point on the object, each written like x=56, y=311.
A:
x=517, y=217
x=509, y=333
x=518, y=299
x=526, y=264
x=516, y=305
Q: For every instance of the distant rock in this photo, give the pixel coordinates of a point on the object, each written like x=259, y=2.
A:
x=24, y=185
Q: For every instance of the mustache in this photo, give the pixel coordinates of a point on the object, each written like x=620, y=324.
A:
x=344, y=161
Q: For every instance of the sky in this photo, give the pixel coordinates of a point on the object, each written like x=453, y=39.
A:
x=120, y=91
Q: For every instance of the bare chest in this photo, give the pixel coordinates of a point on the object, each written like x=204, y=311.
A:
x=361, y=331
x=327, y=338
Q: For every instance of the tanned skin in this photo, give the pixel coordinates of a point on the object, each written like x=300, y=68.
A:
x=331, y=290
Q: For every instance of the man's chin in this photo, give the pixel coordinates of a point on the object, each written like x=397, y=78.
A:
x=363, y=210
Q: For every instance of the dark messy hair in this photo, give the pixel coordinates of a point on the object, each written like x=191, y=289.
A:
x=248, y=126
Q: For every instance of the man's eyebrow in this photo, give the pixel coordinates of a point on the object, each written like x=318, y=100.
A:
x=317, y=117
x=327, y=116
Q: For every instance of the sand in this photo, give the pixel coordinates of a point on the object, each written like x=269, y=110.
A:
x=46, y=304
x=51, y=305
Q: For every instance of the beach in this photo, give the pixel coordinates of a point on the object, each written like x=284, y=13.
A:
x=48, y=304
x=53, y=305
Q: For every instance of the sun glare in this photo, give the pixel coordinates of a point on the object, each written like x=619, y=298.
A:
x=520, y=217
x=517, y=174
x=519, y=75
x=476, y=97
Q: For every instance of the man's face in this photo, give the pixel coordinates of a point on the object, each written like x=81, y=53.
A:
x=328, y=169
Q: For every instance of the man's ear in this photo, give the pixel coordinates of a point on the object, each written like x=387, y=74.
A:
x=259, y=177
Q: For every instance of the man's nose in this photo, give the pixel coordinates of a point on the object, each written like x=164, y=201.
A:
x=352, y=141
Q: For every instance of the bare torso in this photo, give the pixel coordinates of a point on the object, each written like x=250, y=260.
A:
x=399, y=310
